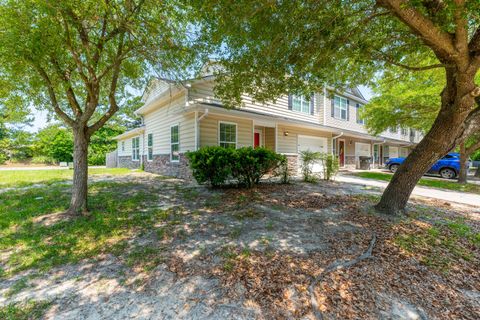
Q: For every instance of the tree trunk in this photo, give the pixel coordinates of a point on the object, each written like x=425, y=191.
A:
x=442, y=137
x=78, y=204
x=462, y=175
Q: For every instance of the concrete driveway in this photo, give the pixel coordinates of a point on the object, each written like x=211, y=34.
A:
x=445, y=195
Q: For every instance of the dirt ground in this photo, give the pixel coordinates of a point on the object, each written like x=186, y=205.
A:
x=252, y=254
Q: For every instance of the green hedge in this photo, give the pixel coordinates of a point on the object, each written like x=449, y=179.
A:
x=219, y=166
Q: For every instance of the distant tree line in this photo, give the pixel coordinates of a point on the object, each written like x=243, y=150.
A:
x=53, y=144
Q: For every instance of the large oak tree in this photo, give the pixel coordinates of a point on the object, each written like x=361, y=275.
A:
x=82, y=59
x=268, y=48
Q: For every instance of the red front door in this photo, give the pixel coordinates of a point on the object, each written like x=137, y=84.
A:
x=341, y=152
x=256, y=140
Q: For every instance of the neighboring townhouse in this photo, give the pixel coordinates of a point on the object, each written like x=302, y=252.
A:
x=178, y=118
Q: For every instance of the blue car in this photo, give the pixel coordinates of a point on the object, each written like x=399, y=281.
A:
x=448, y=167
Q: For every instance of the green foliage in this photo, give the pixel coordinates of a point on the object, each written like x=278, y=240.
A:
x=218, y=165
x=30, y=310
x=102, y=143
x=55, y=142
x=404, y=98
x=250, y=164
x=330, y=165
x=211, y=165
x=282, y=171
x=308, y=159
x=43, y=160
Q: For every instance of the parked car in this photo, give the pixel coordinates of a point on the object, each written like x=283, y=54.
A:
x=448, y=167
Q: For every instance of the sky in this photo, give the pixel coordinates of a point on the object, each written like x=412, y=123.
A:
x=41, y=121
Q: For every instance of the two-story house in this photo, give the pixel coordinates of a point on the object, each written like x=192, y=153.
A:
x=184, y=117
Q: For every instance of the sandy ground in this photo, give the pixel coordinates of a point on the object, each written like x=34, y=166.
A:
x=191, y=281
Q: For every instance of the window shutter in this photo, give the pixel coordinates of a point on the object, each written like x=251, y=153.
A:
x=333, y=106
x=312, y=103
x=348, y=110
x=289, y=102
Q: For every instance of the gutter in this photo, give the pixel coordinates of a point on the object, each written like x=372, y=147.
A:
x=197, y=127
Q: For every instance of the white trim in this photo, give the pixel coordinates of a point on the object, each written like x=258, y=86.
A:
x=324, y=105
x=138, y=147
x=339, y=107
x=236, y=132
x=130, y=133
x=196, y=130
x=178, y=143
x=253, y=133
x=344, y=151
x=148, y=134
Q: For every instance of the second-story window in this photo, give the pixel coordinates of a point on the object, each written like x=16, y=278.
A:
x=301, y=104
x=404, y=131
x=393, y=129
x=360, y=119
x=340, y=108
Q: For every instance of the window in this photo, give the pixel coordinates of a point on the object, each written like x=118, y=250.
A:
x=360, y=120
x=174, y=143
x=340, y=108
x=227, y=135
x=404, y=131
x=136, y=148
x=301, y=104
x=123, y=145
x=393, y=129
x=150, y=147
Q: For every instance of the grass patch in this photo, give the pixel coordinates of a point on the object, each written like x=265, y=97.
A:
x=118, y=210
x=25, y=178
x=17, y=287
x=146, y=257
x=425, y=182
x=440, y=246
x=30, y=310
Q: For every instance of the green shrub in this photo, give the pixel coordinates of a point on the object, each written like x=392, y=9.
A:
x=43, y=160
x=3, y=158
x=309, y=158
x=211, y=165
x=252, y=164
x=218, y=165
x=330, y=165
x=282, y=171
x=96, y=159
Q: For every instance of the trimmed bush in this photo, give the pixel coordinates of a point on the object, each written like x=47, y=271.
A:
x=43, y=160
x=218, y=166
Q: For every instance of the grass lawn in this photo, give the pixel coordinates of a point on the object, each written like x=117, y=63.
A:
x=426, y=182
x=24, y=178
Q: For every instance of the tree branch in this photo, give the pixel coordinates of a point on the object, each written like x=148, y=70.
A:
x=72, y=99
x=382, y=56
x=439, y=41
x=51, y=93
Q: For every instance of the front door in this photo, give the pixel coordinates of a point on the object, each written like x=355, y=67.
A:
x=341, y=152
x=257, y=139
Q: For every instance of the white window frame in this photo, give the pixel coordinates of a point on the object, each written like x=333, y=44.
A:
x=393, y=130
x=123, y=146
x=236, y=133
x=136, y=149
x=404, y=131
x=339, y=108
x=303, y=102
x=174, y=143
x=149, y=147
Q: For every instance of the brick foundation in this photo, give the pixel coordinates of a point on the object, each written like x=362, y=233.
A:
x=292, y=164
x=127, y=162
x=161, y=164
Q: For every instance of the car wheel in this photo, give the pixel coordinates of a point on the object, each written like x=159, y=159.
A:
x=448, y=173
x=394, y=168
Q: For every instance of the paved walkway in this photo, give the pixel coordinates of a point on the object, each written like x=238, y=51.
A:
x=20, y=168
x=446, y=195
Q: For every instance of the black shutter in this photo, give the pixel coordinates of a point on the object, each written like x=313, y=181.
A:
x=333, y=106
x=312, y=103
x=357, y=112
x=348, y=109
x=289, y=102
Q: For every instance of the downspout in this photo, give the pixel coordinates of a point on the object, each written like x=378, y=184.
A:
x=143, y=145
x=325, y=105
x=336, y=137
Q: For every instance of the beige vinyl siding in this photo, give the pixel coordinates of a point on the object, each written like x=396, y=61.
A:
x=203, y=92
x=128, y=146
x=289, y=144
x=159, y=121
x=350, y=145
x=209, y=130
x=269, y=138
